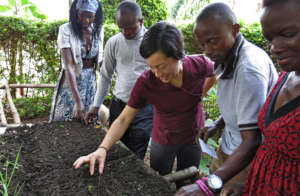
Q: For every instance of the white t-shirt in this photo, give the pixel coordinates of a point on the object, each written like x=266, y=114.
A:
x=241, y=97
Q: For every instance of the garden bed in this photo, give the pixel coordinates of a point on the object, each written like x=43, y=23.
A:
x=47, y=153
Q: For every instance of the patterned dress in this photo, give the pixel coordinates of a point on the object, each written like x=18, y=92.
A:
x=62, y=101
x=275, y=169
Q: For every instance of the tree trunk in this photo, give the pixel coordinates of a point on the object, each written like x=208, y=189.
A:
x=12, y=106
x=2, y=114
x=13, y=64
x=20, y=63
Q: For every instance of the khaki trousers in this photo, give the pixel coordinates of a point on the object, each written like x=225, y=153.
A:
x=240, y=177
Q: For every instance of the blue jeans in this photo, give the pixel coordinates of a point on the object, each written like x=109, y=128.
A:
x=137, y=136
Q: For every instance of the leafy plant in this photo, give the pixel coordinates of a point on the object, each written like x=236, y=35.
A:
x=153, y=11
x=210, y=104
x=6, y=179
x=187, y=10
x=32, y=107
x=24, y=8
x=204, y=164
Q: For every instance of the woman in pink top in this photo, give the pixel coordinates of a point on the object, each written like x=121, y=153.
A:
x=174, y=86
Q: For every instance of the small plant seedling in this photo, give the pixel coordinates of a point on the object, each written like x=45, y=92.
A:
x=6, y=178
x=90, y=188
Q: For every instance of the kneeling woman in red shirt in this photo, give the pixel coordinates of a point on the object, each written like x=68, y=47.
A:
x=174, y=85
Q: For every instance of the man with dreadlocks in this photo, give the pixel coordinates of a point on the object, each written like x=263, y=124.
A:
x=81, y=44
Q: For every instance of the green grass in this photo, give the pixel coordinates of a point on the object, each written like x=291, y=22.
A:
x=6, y=178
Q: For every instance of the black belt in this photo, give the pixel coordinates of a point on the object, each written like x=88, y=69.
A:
x=88, y=63
x=119, y=100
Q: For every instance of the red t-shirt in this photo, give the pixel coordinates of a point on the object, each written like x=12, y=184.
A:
x=175, y=109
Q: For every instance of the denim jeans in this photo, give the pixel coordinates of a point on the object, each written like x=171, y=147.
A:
x=137, y=136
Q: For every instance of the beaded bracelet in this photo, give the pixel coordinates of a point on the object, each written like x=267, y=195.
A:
x=106, y=150
x=204, y=187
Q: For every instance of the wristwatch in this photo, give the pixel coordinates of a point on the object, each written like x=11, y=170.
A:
x=214, y=182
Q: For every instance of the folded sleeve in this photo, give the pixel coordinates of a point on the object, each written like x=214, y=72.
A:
x=63, y=39
x=251, y=93
x=137, y=99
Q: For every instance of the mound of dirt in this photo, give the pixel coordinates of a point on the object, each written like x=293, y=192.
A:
x=47, y=153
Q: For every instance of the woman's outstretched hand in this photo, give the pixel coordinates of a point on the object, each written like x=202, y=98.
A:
x=98, y=156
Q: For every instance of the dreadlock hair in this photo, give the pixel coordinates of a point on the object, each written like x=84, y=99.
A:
x=99, y=18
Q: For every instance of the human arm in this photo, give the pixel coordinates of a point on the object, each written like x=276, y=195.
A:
x=211, y=130
x=194, y=190
x=250, y=92
x=232, y=166
x=235, y=189
x=209, y=82
x=78, y=110
x=115, y=132
x=190, y=190
x=68, y=63
x=104, y=81
x=241, y=157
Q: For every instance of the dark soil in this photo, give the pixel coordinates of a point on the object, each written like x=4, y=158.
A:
x=47, y=155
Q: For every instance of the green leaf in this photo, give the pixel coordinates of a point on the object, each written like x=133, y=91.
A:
x=204, y=165
x=24, y=2
x=36, y=12
x=5, y=8
x=12, y=2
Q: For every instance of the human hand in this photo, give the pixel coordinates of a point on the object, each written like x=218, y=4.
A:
x=78, y=111
x=233, y=190
x=92, y=113
x=190, y=190
x=207, y=132
x=99, y=155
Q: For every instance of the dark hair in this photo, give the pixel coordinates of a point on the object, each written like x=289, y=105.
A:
x=268, y=3
x=76, y=25
x=129, y=7
x=223, y=11
x=163, y=37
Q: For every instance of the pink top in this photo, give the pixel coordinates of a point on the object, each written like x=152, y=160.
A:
x=175, y=109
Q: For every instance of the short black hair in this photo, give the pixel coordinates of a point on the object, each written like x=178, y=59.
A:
x=163, y=37
x=223, y=11
x=129, y=7
x=268, y=3
x=99, y=18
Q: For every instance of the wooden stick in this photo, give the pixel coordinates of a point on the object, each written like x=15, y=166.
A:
x=2, y=114
x=182, y=174
x=29, y=86
x=12, y=106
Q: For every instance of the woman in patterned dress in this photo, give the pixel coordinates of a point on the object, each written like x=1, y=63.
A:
x=275, y=169
x=81, y=44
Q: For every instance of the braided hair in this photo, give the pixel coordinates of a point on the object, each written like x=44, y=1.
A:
x=99, y=18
